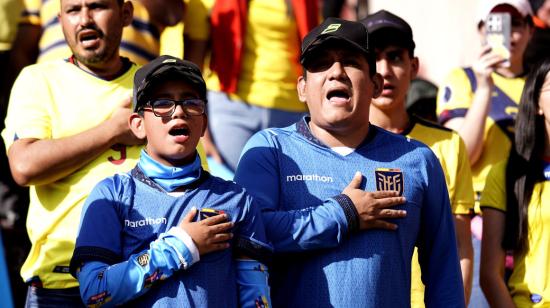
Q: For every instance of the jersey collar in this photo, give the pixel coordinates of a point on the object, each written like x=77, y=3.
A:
x=302, y=127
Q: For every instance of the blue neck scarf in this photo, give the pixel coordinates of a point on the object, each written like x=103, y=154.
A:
x=169, y=178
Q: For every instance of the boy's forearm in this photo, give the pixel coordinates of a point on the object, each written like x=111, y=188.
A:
x=101, y=283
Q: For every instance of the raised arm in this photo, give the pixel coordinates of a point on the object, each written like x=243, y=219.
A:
x=471, y=126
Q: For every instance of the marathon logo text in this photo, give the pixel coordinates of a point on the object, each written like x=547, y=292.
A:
x=309, y=177
x=145, y=222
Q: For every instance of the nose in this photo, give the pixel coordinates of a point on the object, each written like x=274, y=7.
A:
x=85, y=17
x=383, y=67
x=179, y=112
x=337, y=71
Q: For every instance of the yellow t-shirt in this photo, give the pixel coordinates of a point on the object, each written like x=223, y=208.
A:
x=529, y=284
x=53, y=100
x=271, y=52
x=451, y=152
x=140, y=41
x=454, y=99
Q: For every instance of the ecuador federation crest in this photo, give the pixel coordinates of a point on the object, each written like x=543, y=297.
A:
x=389, y=179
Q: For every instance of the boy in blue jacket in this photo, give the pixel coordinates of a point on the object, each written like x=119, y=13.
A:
x=142, y=232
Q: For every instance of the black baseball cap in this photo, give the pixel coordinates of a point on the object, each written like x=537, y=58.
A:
x=386, y=28
x=351, y=32
x=163, y=66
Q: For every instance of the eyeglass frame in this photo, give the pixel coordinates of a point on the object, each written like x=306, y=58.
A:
x=150, y=106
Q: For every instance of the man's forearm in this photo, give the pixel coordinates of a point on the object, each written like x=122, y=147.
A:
x=314, y=227
x=43, y=161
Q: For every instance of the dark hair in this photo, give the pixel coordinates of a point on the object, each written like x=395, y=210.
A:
x=524, y=167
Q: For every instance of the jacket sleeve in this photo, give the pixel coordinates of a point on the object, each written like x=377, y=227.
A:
x=111, y=284
x=314, y=226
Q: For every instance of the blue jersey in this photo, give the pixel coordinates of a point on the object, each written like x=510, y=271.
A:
x=126, y=213
x=321, y=260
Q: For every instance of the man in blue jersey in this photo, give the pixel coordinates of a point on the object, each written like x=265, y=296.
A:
x=147, y=242
x=300, y=176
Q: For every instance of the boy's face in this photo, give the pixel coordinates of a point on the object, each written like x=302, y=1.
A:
x=171, y=140
x=397, y=69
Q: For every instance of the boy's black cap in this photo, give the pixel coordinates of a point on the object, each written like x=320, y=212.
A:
x=353, y=33
x=401, y=31
x=163, y=65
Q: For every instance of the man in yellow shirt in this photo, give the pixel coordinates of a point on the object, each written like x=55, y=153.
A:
x=66, y=129
x=395, y=61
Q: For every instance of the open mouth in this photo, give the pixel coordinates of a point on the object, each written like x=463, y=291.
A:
x=179, y=131
x=89, y=37
x=338, y=95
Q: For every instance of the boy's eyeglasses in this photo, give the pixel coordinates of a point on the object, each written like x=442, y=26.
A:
x=165, y=107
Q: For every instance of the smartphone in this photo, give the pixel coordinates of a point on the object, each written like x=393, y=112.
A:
x=497, y=34
x=206, y=212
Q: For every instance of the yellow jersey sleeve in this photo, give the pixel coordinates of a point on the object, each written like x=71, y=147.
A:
x=451, y=153
x=462, y=200
x=28, y=110
x=494, y=194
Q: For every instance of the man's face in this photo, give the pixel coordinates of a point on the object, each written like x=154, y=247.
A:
x=338, y=88
x=397, y=69
x=171, y=140
x=93, y=28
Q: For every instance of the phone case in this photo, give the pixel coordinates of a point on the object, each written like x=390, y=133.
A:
x=498, y=34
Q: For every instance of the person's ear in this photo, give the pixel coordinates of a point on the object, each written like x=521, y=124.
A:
x=127, y=13
x=414, y=67
x=137, y=125
x=378, y=83
x=301, y=87
x=204, y=124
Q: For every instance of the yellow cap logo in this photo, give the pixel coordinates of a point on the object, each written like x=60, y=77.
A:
x=331, y=28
